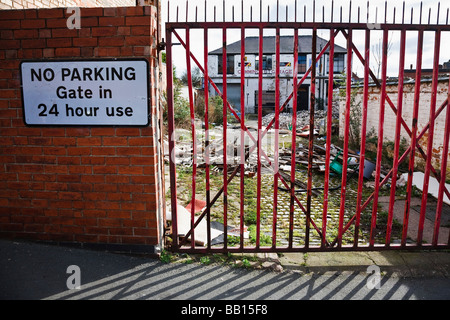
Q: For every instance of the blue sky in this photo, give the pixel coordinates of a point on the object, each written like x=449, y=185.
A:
x=323, y=7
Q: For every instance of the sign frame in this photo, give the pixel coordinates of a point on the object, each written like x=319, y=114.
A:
x=147, y=94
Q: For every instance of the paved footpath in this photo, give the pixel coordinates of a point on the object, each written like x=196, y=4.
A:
x=39, y=271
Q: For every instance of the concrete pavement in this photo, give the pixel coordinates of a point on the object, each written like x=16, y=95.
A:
x=40, y=271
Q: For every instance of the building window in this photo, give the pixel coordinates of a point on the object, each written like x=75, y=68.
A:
x=302, y=63
x=267, y=62
x=339, y=63
x=230, y=64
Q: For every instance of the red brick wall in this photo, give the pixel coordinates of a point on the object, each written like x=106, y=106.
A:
x=29, y=4
x=77, y=184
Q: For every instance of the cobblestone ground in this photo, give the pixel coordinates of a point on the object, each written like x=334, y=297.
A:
x=283, y=209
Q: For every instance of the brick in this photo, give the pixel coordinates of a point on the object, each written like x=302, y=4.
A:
x=128, y=151
x=32, y=24
x=103, y=131
x=91, y=141
x=93, y=160
x=111, y=41
x=59, y=42
x=140, y=31
x=50, y=13
x=85, y=42
x=67, y=52
x=64, y=141
x=141, y=141
x=104, y=31
x=10, y=44
x=109, y=223
x=131, y=170
x=105, y=151
x=88, y=22
x=120, y=231
x=75, y=151
x=135, y=11
x=9, y=24
x=137, y=41
x=11, y=14
x=104, y=169
x=57, y=23
x=117, y=161
x=115, y=141
x=124, y=31
x=111, y=21
x=137, y=21
x=25, y=34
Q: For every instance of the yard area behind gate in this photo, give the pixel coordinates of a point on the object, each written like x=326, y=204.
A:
x=322, y=179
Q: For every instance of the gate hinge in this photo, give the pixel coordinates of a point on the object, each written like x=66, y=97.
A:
x=161, y=45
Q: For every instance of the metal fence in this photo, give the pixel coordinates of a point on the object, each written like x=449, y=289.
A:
x=313, y=220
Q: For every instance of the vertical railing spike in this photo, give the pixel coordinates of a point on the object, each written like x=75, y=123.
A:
x=420, y=17
x=438, y=13
x=260, y=11
x=332, y=10
x=287, y=13
x=314, y=11
x=350, y=12
x=295, y=10
x=403, y=13
x=368, y=11
x=278, y=7
x=385, y=12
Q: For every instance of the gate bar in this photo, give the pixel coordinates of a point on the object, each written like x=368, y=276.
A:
x=225, y=153
x=413, y=137
x=362, y=154
x=312, y=108
x=380, y=137
x=328, y=138
x=443, y=175
x=294, y=139
x=277, y=128
x=258, y=187
x=194, y=138
x=242, y=156
x=423, y=208
x=171, y=124
x=397, y=134
x=346, y=136
x=207, y=173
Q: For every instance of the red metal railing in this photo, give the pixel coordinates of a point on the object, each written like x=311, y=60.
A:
x=333, y=241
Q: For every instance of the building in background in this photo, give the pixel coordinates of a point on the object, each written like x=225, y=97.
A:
x=233, y=70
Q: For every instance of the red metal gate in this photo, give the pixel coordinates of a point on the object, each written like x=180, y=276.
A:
x=332, y=219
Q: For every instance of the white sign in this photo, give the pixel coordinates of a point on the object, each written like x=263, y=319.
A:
x=94, y=92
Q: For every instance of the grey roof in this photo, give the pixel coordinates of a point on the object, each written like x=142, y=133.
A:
x=286, y=45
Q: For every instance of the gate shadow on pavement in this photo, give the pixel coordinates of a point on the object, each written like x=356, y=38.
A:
x=37, y=271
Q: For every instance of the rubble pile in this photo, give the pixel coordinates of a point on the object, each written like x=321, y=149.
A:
x=320, y=117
